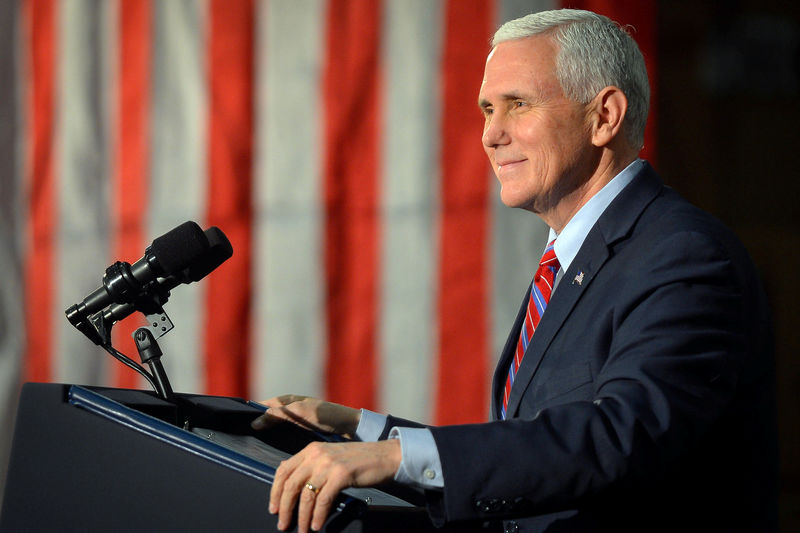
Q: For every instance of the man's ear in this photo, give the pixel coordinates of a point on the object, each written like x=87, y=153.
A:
x=606, y=114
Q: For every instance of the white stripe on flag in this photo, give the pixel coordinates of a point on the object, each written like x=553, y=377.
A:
x=411, y=55
x=289, y=330
x=82, y=180
x=178, y=184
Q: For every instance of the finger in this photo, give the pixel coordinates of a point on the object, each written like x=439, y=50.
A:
x=286, y=399
x=273, y=416
x=298, y=413
x=323, y=504
x=285, y=468
x=290, y=492
x=264, y=421
x=306, y=505
x=282, y=408
x=280, y=401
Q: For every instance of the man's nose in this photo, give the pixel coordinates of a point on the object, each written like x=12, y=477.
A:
x=494, y=133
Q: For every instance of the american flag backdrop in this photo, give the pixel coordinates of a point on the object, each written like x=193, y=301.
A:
x=337, y=145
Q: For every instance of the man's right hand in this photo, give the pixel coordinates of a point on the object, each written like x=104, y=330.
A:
x=309, y=413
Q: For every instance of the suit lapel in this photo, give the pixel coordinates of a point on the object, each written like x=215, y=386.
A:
x=613, y=225
x=564, y=298
x=501, y=370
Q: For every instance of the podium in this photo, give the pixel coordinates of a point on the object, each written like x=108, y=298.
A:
x=99, y=459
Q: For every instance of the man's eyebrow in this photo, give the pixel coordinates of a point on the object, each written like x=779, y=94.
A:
x=483, y=103
x=514, y=96
x=505, y=97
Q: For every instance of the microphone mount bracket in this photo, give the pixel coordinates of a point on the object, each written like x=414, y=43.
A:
x=120, y=283
x=150, y=302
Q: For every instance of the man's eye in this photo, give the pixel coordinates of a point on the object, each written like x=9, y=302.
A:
x=519, y=103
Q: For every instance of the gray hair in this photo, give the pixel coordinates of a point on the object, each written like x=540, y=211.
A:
x=594, y=52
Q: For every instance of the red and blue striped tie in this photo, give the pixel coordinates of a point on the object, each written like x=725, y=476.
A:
x=541, y=289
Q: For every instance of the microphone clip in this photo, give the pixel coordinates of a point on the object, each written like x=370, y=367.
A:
x=120, y=283
x=150, y=302
x=150, y=354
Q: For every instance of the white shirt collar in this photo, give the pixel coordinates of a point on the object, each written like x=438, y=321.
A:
x=571, y=238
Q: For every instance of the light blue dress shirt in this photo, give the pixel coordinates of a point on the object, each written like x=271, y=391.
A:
x=420, y=465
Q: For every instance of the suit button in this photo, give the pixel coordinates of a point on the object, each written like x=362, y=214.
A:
x=511, y=527
x=480, y=505
x=488, y=505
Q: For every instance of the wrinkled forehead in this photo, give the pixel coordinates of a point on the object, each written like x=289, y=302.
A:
x=520, y=65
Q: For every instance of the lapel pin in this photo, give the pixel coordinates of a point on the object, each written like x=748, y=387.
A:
x=578, y=279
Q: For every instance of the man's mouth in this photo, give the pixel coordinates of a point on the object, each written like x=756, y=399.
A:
x=508, y=164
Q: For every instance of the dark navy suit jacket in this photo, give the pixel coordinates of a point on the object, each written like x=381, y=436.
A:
x=645, y=401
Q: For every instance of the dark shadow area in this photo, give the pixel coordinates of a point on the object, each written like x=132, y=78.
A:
x=728, y=113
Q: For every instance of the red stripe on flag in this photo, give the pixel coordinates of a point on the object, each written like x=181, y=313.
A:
x=642, y=15
x=463, y=272
x=39, y=282
x=351, y=97
x=227, y=326
x=131, y=169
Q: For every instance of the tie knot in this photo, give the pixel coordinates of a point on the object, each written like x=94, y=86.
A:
x=549, y=257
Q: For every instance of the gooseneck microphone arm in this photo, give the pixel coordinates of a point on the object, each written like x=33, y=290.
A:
x=151, y=354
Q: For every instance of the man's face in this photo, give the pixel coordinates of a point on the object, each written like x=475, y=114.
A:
x=537, y=140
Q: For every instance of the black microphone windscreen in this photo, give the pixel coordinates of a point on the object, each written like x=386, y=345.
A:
x=219, y=251
x=177, y=249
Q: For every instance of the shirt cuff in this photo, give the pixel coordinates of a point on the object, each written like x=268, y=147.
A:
x=420, y=464
x=370, y=426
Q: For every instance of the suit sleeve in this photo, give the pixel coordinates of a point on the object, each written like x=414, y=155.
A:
x=674, y=348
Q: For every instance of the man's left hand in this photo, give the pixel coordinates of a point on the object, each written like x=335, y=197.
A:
x=317, y=474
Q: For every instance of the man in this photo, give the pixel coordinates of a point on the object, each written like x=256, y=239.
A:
x=635, y=391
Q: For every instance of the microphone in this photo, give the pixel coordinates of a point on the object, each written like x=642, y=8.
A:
x=182, y=251
x=183, y=255
x=219, y=251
